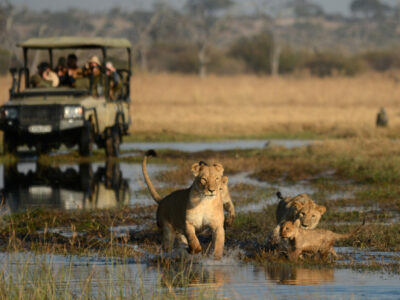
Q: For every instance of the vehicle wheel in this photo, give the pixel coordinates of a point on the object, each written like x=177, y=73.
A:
x=9, y=144
x=113, y=140
x=86, y=140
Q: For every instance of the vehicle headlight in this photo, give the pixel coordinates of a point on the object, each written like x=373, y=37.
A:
x=10, y=113
x=73, y=112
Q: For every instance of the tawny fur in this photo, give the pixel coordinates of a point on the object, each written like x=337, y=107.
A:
x=228, y=207
x=189, y=210
x=314, y=240
x=226, y=199
x=300, y=207
x=227, y=202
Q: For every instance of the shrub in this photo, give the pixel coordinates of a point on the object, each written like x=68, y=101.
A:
x=255, y=52
x=328, y=64
x=382, y=60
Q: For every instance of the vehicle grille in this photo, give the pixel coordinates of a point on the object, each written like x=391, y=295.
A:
x=39, y=115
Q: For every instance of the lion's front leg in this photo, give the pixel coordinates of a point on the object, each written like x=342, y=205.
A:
x=231, y=213
x=218, y=241
x=194, y=244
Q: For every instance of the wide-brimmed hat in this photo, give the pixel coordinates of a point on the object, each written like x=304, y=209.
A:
x=94, y=59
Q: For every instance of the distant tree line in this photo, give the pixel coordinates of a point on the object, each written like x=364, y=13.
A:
x=209, y=36
x=253, y=55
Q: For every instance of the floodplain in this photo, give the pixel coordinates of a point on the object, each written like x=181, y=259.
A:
x=86, y=229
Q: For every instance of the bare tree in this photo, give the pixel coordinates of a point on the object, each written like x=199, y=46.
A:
x=205, y=21
x=144, y=31
x=6, y=21
x=271, y=11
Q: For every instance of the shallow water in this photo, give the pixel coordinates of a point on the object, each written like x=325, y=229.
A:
x=107, y=184
x=227, y=279
x=216, y=146
x=110, y=184
x=72, y=186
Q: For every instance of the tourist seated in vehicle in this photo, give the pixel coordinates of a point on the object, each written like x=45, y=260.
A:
x=45, y=77
x=115, y=81
x=93, y=72
x=72, y=64
x=62, y=72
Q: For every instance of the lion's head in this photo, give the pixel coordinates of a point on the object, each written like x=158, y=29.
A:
x=305, y=209
x=289, y=229
x=208, y=179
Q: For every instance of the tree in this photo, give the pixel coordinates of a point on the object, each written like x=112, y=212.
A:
x=369, y=8
x=306, y=9
x=144, y=27
x=271, y=11
x=205, y=21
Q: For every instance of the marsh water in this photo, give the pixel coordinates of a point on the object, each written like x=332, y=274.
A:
x=103, y=185
x=228, y=279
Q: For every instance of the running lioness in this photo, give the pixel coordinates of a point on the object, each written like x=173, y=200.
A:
x=187, y=210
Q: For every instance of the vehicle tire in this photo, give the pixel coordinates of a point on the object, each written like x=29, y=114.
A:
x=9, y=144
x=86, y=140
x=113, y=141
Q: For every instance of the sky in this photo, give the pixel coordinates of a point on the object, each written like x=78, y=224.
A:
x=330, y=6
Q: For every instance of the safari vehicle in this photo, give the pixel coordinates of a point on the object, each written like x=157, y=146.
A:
x=46, y=118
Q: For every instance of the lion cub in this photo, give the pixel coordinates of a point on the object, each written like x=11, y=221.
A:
x=300, y=207
x=314, y=240
x=187, y=210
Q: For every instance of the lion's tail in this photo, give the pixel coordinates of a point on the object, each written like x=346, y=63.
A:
x=350, y=234
x=150, y=186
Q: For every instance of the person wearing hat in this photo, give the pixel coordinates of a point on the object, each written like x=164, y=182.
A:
x=45, y=77
x=114, y=80
x=93, y=70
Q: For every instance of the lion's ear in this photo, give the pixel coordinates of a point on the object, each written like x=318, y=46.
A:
x=321, y=209
x=224, y=179
x=195, y=169
x=297, y=223
x=219, y=167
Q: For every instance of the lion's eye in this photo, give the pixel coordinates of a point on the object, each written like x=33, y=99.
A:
x=301, y=214
x=217, y=179
x=313, y=216
x=203, y=181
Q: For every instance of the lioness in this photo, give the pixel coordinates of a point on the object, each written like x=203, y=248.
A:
x=226, y=199
x=314, y=240
x=187, y=210
x=300, y=207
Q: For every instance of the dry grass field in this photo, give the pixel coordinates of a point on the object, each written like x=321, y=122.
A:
x=251, y=106
x=255, y=106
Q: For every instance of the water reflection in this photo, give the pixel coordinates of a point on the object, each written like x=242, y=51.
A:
x=64, y=187
x=292, y=275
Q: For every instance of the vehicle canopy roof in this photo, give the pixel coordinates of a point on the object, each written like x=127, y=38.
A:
x=68, y=42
